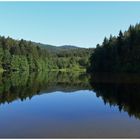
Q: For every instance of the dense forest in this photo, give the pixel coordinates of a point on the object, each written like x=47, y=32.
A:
x=22, y=55
x=118, y=54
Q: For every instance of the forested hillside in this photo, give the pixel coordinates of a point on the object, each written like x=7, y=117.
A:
x=22, y=55
x=118, y=54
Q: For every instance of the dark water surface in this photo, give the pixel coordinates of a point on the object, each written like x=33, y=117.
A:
x=68, y=105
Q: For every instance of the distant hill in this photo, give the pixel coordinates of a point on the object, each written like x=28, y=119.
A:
x=69, y=47
x=57, y=47
x=52, y=48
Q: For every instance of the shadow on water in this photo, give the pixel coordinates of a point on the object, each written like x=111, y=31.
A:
x=121, y=90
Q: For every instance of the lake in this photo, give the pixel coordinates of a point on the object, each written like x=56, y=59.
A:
x=68, y=105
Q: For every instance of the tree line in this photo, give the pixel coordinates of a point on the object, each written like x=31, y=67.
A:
x=22, y=55
x=118, y=53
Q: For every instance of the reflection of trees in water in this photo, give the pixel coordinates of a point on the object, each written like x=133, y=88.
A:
x=124, y=95
x=115, y=91
x=15, y=86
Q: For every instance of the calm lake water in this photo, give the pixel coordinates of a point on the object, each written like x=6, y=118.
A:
x=67, y=105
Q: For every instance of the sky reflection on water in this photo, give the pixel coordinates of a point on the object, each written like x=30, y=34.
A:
x=60, y=114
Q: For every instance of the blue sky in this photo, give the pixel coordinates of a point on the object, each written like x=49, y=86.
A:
x=83, y=24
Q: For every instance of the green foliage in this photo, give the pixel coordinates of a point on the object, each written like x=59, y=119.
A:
x=118, y=54
x=6, y=60
x=1, y=56
x=15, y=63
x=19, y=63
x=21, y=55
